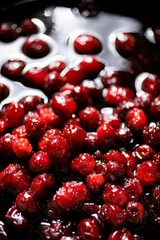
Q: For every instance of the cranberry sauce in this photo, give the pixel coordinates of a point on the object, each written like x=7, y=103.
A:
x=82, y=161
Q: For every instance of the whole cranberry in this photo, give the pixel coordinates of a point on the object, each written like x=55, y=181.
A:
x=4, y=91
x=155, y=108
x=83, y=164
x=124, y=136
x=121, y=234
x=95, y=182
x=115, y=170
x=130, y=159
x=67, y=89
x=143, y=152
x=71, y=195
x=75, y=136
x=133, y=189
x=151, y=84
x=52, y=82
x=2, y=127
x=74, y=75
x=35, y=76
x=42, y=184
x=87, y=44
x=13, y=69
x=125, y=43
x=123, y=108
x=151, y=135
x=110, y=77
x=89, y=118
x=39, y=162
x=114, y=155
x=91, y=141
x=35, y=47
x=112, y=119
x=147, y=173
x=80, y=94
x=88, y=229
x=22, y=147
x=106, y=135
x=8, y=31
x=135, y=213
x=144, y=101
x=56, y=65
x=30, y=102
x=95, y=90
x=6, y=142
x=136, y=119
x=28, y=27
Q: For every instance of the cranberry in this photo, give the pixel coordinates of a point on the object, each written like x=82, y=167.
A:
x=155, y=108
x=95, y=91
x=88, y=229
x=112, y=215
x=71, y=195
x=6, y=142
x=151, y=84
x=3, y=91
x=125, y=43
x=135, y=213
x=42, y=184
x=124, y=136
x=120, y=235
x=95, y=182
x=136, y=119
x=112, y=119
x=52, y=82
x=28, y=27
x=89, y=118
x=133, y=189
x=20, y=132
x=80, y=94
x=87, y=44
x=115, y=194
x=114, y=155
x=147, y=173
x=101, y=168
x=8, y=32
x=35, y=47
x=144, y=101
x=16, y=218
x=3, y=234
x=63, y=106
x=39, y=162
x=151, y=135
x=35, y=76
x=143, y=152
x=156, y=193
x=156, y=159
x=13, y=69
x=115, y=170
x=106, y=135
x=67, y=89
x=75, y=136
x=21, y=147
x=131, y=162
x=123, y=108
x=27, y=203
x=117, y=94
x=30, y=102
x=83, y=164
x=56, y=65
x=2, y=127
x=74, y=75
x=91, y=141
x=110, y=77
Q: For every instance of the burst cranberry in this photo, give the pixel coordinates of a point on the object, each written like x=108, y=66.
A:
x=125, y=43
x=147, y=173
x=8, y=32
x=136, y=119
x=110, y=77
x=35, y=76
x=91, y=141
x=74, y=75
x=143, y=152
x=133, y=189
x=28, y=27
x=27, y=203
x=144, y=101
x=87, y=44
x=121, y=234
x=112, y=215
x=56, y=65
x=89, y=117
x=123, y=107
x=112, y=119
x=135, y=213
x=83, y=164
x=52, y=82
x=80, y=94
x=42, y=185
x=117, y=94
x=21, y=147
x=16, y=218
x=35, y=47
x=115, y=194
x=88, y=229
x=106, y=135
x=6, y=142
x=114, y=155
x=75, y=136
x=40, y=163
x=155, y=108
x=30, y=103
x=115, y=170
x=13, y=69
x=95, y=182
x=13, y=114
x=63, y=106
x=71, y=195
x=20, y=132
x=151, y=135
x=151, y=84
x=101, y=168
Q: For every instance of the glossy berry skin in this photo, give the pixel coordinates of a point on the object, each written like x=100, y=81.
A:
x=87, y=44
x=27, y=27
x=144, y=101
x=151, y=84
x=30, y=102
x=56, y=65
x=21, y=147
x=2, y=127
x=88, y=229
x=52, y=82
x=4, y=91
x=115, y=170
x=114, y=155
x=8, y=32
x=95, y=182
x=80, y=94
x=133, y=189
x=106, y=135
x=151, y=135
x=39, y=162
x=35, y=76
x=112, y=119
x=6, y=142
x=110, y=77
x=83, y=164
x=124, y=107
x=125, y=43
x=74, y=75
x=71, y=195
x=42, y=184
x=89, y=118
x=155, y=108
x=143, y=152
x=120, y=235
x=91, y=141
x=35, y=47
x=134, y=213
x=20, y=132
x=147, y=173
x=13, y=69
x=136, y=120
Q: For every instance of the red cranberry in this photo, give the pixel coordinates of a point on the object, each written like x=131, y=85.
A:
x=87, y=44
x=133, y=189
x=67, y=90
x=63, y=106
x=106, y=135
x=8, y=32
x=52, y=82
x=74, y=75
x=39, y=163
x=112, y=119
x=156, y=193
x=88, y=229
x=6, y=142
x=83, y=164
x=124, y=135
x=21, y=147
x=20, y=132
x=143, y=152
x=112, y=215
x=30, y=103
x=28, y=27
x=101, y=168
x=91, y=141
x=75, y=136
x=16, y=218
x=151, y=135
x=35, y=47
x=151, y=84
x=123, y=107
x=13, y=69
x=52, y=208
x=121, y=234
x=27, y=203
x=114, y=155
x=3, y=91
x=90, y=208
x=110, y=77
x=80, y=94
x=56, y=65
x=136, y=119
x=135, y=213
x=147, y=173
x=125, y=43
x=117, y=94
x=115, y=194
x=2, y=127
x=42, y=185
x=89, y=118
x=35, y=76
x=95, y=91
x=95, y=182
x=115, y=170
x=155, y=108
x=144, y=101
x=156, y=159
x=71, y=195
